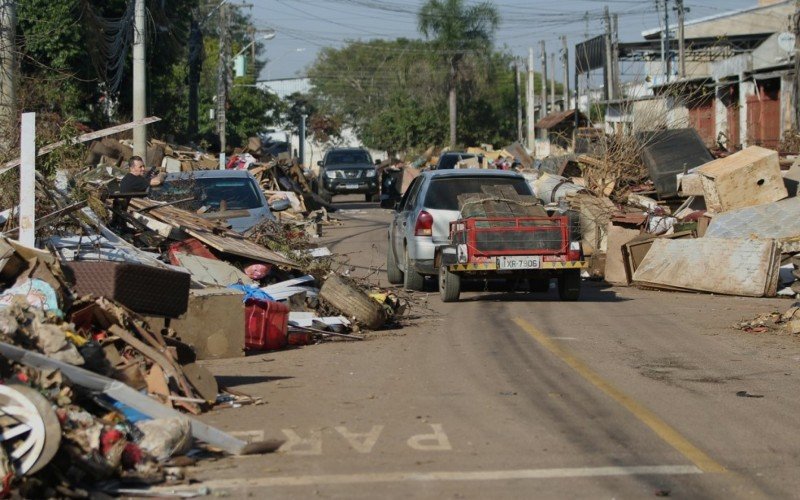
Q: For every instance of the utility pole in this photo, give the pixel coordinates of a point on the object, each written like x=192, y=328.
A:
x=543, y=104
x=8, y=80
x=615, y=57
x=139, y=80
x=663, y=54
x=195, y=60
x=222, y=82
x=565, y=64
x=519, y=100
x=552, y=82
x=530, y=104
x=667, y=65
x=608, y=72
x=681, y=17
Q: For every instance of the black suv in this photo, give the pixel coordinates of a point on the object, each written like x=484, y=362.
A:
x=347, y=170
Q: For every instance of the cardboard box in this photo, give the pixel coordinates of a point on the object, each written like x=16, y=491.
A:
x=750, y=177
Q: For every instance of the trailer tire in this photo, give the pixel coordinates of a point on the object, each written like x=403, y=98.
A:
x=449, y=284
x=412, y=280
x=569, y=285
x=352, y=302
x=538, y=285
x=393, y=273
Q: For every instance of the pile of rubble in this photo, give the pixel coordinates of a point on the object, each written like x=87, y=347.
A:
x=101, y=327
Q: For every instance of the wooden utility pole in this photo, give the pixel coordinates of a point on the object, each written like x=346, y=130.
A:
x=565, y=65
x=8, y=79
x=222, y=83
x=681, y=56
x=530, y=108
x=139, y=79
x=543, y=104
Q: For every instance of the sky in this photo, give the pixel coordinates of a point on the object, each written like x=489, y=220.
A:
x=305, y=26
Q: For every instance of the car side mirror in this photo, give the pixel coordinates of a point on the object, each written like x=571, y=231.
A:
x=319, y=163
x=280, y=205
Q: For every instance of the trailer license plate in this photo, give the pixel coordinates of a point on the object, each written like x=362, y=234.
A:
x=351, y=186
x=518, y=262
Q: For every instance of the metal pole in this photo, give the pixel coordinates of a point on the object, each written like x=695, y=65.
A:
x=27, y=181
x=530, y=108
x=565, y=63
x=222, y=83
x=681, y=15
x=8, y=80
x=552, y=82
x=667, y=65
x=517, y=90
x=139, y=79
x=543, y=103
x=302, y=140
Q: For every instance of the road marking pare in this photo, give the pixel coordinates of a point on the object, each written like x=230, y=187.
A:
x=362, y=442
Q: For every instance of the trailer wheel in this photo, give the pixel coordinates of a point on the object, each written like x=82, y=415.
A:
x=449, y=284
x=393, y=273
x=538, y=285
x=352, y=301
x=412, y=280
x=569, y=285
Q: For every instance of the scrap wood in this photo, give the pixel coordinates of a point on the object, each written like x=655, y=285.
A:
x=214, y=235
x=168, y=366
x=83, y=138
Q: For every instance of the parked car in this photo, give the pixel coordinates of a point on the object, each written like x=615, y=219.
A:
x=347, y=171
x=451, y=159
x=233, y=195
x=421, y=223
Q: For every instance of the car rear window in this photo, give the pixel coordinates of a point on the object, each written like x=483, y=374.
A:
x=213, y=193
x=443, y=193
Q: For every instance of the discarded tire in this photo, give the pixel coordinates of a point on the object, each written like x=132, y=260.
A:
x=353, y=302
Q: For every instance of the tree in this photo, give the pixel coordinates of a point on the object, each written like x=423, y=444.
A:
x=456, y=31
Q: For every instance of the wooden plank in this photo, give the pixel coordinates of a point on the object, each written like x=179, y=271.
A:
x=83, y=138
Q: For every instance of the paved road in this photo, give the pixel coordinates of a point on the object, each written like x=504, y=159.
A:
x=625, y=394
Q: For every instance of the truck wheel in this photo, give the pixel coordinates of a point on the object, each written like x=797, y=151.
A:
x=569, y=285
x=393, y=273
x=412, y=279
x=538, y=285
x=353, y=302
x=449, y=284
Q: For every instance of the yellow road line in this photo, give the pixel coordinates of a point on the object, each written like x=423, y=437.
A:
x=650, y=419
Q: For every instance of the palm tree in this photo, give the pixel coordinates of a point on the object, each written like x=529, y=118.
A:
x=456, y=30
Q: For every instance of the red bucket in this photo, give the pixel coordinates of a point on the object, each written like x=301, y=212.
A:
x=266, y=324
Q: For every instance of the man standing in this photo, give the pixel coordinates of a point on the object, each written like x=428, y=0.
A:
x=136, y=181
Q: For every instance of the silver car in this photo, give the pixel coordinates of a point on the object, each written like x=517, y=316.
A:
x=233, y=195
x=421, y=223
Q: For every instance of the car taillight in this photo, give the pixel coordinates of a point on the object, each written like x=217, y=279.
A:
x=574, y=252
x=424, y=225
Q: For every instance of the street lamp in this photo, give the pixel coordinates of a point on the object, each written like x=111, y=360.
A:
x=270, y=63
x=239, y=60
x=222, y=85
